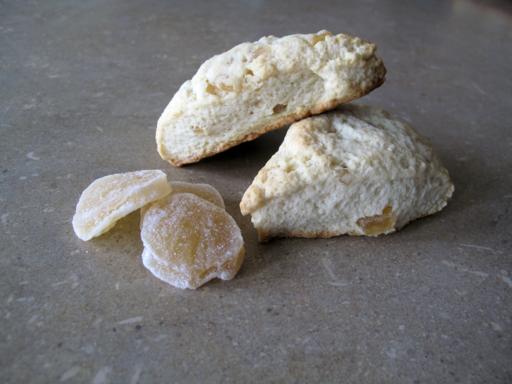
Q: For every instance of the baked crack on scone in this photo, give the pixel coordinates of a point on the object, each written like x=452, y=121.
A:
x=257, y=87
x=356, y=170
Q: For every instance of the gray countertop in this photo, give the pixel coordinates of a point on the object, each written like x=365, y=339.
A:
x=82, y=86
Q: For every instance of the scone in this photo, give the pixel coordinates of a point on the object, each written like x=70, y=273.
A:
x=356, y=170
x=257, y=87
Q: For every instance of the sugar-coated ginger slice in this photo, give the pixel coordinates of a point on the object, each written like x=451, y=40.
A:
x=112, y=197
x=189, y=241
x=204, y=191
x=169, y=275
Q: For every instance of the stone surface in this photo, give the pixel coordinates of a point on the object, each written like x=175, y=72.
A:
x=82, y=86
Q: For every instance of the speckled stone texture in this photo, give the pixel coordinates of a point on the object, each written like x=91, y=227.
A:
x=82, y=86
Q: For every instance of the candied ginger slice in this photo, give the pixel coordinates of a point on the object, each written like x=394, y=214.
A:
x=378, y=224
x=189, y=241
x=110, y=198
x=204, y=191
x=320, y=36
x=163, y=271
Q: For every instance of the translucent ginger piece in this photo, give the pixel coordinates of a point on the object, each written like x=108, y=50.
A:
x=204, y=191
x=169, y=275
x=189, y=241
x=112, y=197
x=378, y=224
x=320, y=36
